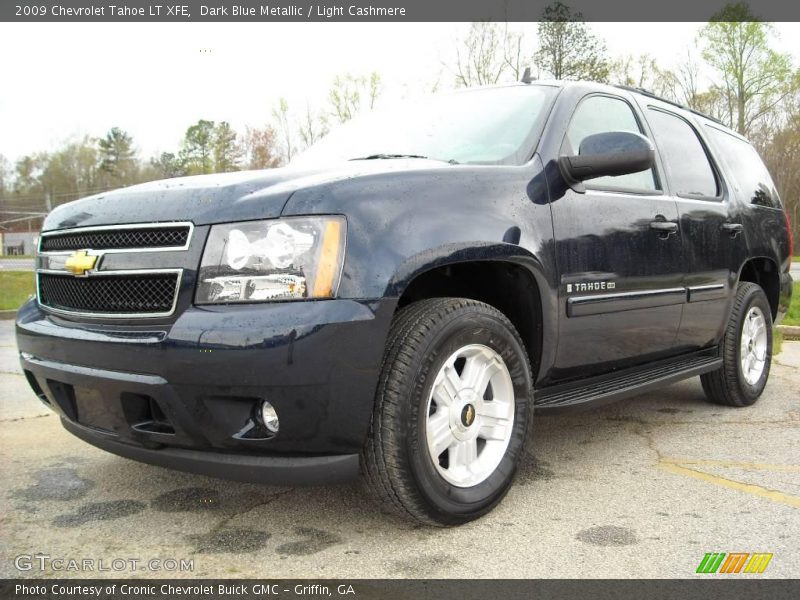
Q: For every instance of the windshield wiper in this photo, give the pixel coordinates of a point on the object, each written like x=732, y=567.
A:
x=388, y=156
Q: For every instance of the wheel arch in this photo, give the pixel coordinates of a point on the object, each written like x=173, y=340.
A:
x=504, y=276
x=764, y=272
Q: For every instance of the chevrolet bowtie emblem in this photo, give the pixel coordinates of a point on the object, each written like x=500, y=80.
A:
x=80, y=262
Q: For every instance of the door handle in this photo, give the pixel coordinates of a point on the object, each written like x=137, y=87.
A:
x=733, y=229
x=664, y=228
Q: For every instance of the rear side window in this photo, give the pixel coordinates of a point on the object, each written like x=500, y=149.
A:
x=744, y=163
x=685, y=158
x=599, y=114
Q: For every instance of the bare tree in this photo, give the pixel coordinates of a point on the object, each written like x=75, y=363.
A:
x=281, y=114
x=688, y=80
x=313, y=127
x=481, y=57
x=644, y=72
x=349, y=94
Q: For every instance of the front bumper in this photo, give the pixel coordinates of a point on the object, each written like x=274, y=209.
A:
x=185, y=395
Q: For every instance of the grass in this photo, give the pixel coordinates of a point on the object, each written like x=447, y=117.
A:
x=13, y=257
x=15, y=288
x=793, y=316
x=777, y=342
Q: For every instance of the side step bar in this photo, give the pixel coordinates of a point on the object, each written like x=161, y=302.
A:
x=621, y=384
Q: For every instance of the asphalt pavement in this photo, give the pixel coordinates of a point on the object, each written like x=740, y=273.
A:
x=643, y=488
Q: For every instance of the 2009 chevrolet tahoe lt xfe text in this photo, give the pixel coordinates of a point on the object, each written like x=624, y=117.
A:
x=399, y=299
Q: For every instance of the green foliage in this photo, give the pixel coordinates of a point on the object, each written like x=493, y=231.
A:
x=196, y=151
x=167, y=165
x=753, y=78
x=15, y=288
x=117, y=156
x=568, y=49
x=350, y=94
x=225, y=148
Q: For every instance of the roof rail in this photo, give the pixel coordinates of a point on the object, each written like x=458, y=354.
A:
x=649, y=94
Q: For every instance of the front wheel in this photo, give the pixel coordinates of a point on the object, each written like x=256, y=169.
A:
x=746, y=351
x=452, y=410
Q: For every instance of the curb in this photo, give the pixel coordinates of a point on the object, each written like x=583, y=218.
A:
x=790, y=332
x=7, y=314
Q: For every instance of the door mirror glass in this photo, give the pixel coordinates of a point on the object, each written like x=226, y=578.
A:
x=610, y=153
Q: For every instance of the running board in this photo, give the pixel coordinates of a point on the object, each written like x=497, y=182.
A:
x=629, y=382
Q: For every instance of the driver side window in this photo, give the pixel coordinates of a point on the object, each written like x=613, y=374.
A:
x=599, y=114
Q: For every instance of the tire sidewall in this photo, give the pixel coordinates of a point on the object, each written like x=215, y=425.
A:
x=467, y=327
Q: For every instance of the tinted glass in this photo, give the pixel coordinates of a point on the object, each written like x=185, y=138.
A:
x=598, y=114
x=684, y=157
x=482, y=126
x=744, y=163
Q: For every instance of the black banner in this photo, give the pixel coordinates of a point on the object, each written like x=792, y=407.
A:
x=393, y=589
x=372, y=11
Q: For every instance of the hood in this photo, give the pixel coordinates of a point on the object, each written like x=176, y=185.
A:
x=205, y=199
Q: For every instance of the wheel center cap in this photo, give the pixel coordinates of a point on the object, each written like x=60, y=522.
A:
x=467, y=415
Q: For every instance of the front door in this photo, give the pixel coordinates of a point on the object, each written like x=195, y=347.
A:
x=619, y=256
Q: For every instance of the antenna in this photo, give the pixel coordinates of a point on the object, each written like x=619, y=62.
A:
x=526, y=76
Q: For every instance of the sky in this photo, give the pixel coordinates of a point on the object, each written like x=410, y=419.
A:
x=61, y=81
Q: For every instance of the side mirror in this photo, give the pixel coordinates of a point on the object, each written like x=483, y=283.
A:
x=608, y=154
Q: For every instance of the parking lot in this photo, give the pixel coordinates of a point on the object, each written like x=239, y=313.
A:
x=643, y=488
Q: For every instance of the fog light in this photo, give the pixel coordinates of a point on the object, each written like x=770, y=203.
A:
x=269, y=416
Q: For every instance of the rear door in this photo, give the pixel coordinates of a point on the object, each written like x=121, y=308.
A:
x=619, y=257
x=711, y=230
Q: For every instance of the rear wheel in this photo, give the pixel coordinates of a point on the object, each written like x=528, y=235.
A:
x=451, y=412
x=746, y=351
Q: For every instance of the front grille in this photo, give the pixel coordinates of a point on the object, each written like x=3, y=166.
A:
x=151, y=293
x=118, y=239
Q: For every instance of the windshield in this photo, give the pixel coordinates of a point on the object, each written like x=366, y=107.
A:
x=481, y=126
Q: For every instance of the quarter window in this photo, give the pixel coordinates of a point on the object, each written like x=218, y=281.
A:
x=685, y=158
x=599, y=114
x=747, y=168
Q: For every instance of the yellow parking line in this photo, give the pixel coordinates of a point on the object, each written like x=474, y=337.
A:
x=748, y=488
x=737, y=465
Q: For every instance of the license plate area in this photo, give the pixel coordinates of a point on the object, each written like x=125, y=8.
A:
x=93, y=410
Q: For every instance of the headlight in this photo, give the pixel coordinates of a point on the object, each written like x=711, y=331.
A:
x=280, y=259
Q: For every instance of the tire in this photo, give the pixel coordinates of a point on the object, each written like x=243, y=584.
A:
x=415, y=412
x=740, y=382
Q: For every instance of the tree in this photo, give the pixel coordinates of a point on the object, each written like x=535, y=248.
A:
x=643, y=72
x=260, y=148
x=5, y=177
x=117, y=156
x=26, y=177
x=350, y=94
x=480, y=58
x=226, y=152
x=72, y=171
x=313, y=127
x=197, y=148
x=167, y=165
x=281, y=114
x=753, y=76
x=567, y=49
